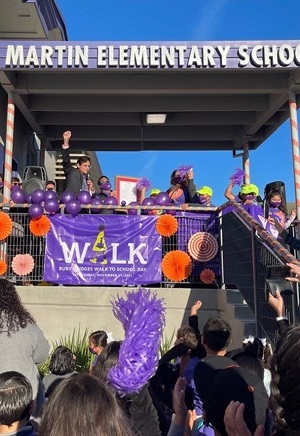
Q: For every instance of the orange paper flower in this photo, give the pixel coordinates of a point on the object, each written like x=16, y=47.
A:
x=5, y=225
x=40, y=226
x=207, y=276
x=3, y=267
x=166, y=225
x=176, y=265
x=22, y=264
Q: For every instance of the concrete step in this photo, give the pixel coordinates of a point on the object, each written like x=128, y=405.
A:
x=243, y=312
x=234, y=297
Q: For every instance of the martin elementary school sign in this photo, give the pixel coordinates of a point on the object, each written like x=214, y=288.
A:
x=96, y=55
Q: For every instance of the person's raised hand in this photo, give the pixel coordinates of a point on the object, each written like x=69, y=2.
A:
x=234, y=421
x=295, y=269
x=195, y=307
x=276, y=224
x=179, y=405
x=190, y=174
x=277, y=303
x=66, y=136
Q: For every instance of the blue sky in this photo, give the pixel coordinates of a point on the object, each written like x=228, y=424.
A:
x=193, y=20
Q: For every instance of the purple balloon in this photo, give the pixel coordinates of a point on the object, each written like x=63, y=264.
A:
x=17, y=195
x=38, y=196
x=28, y=199
x=73, y=207
x=133, y=211
x=148, y=201
x=51, y=205
x=67, y=196
x=84, y=197
x=111, y=200
x=50, y=195
x=96, y=201
x=162, y=199
x=35, y=211
x=123, y=203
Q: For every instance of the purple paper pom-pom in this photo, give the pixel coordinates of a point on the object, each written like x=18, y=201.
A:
x=183, y=170
x=237, y=177
x=143, y=183
x=143, y=317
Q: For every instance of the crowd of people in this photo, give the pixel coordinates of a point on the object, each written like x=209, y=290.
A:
x=199, y=387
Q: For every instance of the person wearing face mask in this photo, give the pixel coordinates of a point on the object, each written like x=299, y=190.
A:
x=181, y=188
x=104, y=192
x=98, y=340
x=248, y=194
x=202, y=198
x=104, y=188
x=278, y=210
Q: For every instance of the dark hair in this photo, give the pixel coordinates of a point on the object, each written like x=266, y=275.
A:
x=216, y=334
x=102, y=177
x=274, y=192
x=15, y=397
x=257, y=347
x=16, y=179
x=285, y=384
x=13, y=314
x=173, y=181
x=50, y=181
x=247, y=359
x=62, y=361
x=83, y=159
x=106, y=360
x=82, y=405
x=99, y=338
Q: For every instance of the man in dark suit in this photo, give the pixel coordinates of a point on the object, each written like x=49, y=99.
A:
x=77, y=179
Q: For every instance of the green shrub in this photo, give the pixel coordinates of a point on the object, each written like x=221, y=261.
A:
x=166, y=344
x=77, y=342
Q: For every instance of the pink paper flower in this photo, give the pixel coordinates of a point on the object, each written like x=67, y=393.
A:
x=22, y=264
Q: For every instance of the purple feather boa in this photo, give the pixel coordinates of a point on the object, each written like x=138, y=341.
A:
x=183, y=170
x=142, y=315
x=237, y=177
x=143, y=183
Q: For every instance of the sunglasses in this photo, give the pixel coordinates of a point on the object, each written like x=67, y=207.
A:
x=16, y=183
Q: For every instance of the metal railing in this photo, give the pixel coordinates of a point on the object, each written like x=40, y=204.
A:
x=246, y=250
x=22, y=241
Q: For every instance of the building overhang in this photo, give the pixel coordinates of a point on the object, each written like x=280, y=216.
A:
x=216, y=95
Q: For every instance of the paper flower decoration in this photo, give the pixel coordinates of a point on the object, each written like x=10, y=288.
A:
x=183, y=170
x=5, y=225
x=207, y=276
x=237, y=177
x=40, y=226
x=22, y=264
x=166, y=225
x=142, y=315
x=202, y=246
x=176, y=265
x=143, y=183
x=3, y=267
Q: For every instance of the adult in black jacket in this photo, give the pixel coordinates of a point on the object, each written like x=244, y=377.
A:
x=77, y=178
